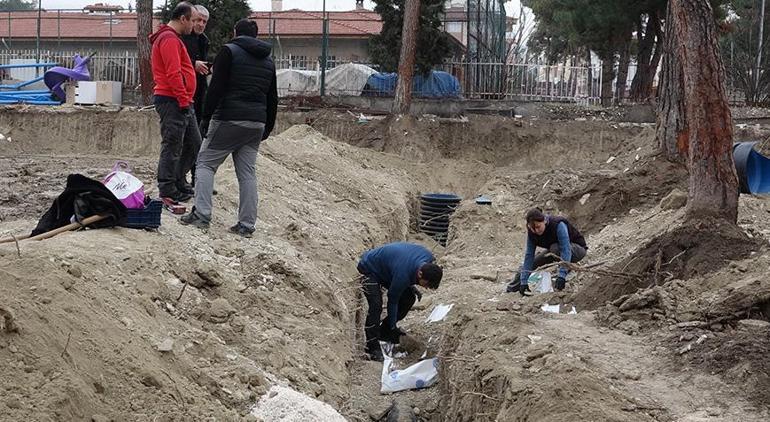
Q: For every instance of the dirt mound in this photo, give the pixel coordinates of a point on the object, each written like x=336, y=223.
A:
x=603, y=199
x=186, y=324
x=530, y=144
x=684, y=251
x=740, y=356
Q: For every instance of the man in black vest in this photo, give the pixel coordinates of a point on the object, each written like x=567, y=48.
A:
x=238, y=114
x=558, y=237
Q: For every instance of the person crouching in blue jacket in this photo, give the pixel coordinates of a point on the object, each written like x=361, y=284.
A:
x=559, y=238
x=398, y=268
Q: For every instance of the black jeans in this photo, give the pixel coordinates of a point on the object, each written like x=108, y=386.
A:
x=179, y=147
x=373, y=294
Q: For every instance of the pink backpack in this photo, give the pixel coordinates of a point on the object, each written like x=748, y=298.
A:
x=127, y=188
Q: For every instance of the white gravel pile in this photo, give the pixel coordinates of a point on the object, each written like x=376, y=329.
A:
x=286, y=405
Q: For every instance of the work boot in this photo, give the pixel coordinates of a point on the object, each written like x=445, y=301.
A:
x=242, y=230
x=513, y=286
x=560, y=284
x=375, y=354
x=187, y=189
x=182, y=196
x=193, y=219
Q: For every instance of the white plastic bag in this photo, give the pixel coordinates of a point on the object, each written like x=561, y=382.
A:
x=540, y=282
x=127, y=188
x=420, y=375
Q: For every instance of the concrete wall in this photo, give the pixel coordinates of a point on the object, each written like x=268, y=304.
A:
x=342, y=48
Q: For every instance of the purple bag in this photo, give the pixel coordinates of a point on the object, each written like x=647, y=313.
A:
x=127, y=188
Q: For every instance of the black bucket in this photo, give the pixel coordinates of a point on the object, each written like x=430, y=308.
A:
x=435, y=209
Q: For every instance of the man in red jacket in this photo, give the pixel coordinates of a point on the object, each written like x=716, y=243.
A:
x=175, y=78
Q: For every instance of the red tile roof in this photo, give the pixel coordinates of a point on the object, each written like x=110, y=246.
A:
x=68, y=25
x=90, y=26
x=300, y=23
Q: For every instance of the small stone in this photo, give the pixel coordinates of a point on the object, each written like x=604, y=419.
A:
x=256, y=380
x=167, y=345
x=13, y=403
x=99, y=387
x=75, y=271
x=632, y=375
x=127, y=322
x=416, y=410
x=151, y=380
x=99, y=418
x=45, y=300
x=209, y=276
x=753, y=324
x=538, y=353
x=13, y=349
x=674, y=200
x=220, y=311
x=67, y=283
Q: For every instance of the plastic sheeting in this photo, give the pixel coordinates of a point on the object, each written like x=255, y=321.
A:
x=436, y=84
x=292, y=82
x=347, y=79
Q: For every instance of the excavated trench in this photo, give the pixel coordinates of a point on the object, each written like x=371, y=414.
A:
x=285, y=308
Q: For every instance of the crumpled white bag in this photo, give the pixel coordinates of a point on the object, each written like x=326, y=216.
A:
x=422, y=374
x=540, y=282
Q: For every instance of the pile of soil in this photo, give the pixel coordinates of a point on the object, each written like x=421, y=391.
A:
x=182, y=324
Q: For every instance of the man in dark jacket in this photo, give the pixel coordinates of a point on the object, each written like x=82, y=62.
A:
x=396, y=267
x=197, y=44
x=559, y=238
x=174, y=89
x=239, y=113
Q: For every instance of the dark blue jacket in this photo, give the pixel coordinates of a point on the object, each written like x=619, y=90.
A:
x=395, y=267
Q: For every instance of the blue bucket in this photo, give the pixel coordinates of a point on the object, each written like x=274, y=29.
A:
x=752, y=167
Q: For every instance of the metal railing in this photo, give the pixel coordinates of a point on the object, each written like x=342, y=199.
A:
x=107, y=66
x=530, y=82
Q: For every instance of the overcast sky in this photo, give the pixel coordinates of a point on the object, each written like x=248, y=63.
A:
x=511, y=6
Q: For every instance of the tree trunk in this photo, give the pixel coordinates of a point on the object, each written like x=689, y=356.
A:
x=713, y=190
x=641, y=86
x=608, y=74
x=144, y=29
x=403, y=97
x=671, y=124
x=650, y=80
x=625, y=59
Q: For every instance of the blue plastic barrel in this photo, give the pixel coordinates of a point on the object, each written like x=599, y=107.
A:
x=752, y=167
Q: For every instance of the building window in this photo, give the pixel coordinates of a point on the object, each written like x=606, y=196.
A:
x=454, y=27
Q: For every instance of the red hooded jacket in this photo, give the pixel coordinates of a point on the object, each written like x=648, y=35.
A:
x=172, y=70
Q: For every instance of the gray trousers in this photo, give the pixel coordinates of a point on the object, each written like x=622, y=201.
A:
x=241, y=139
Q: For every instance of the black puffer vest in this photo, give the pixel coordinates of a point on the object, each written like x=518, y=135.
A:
x=251, y=73
x=549, y=236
